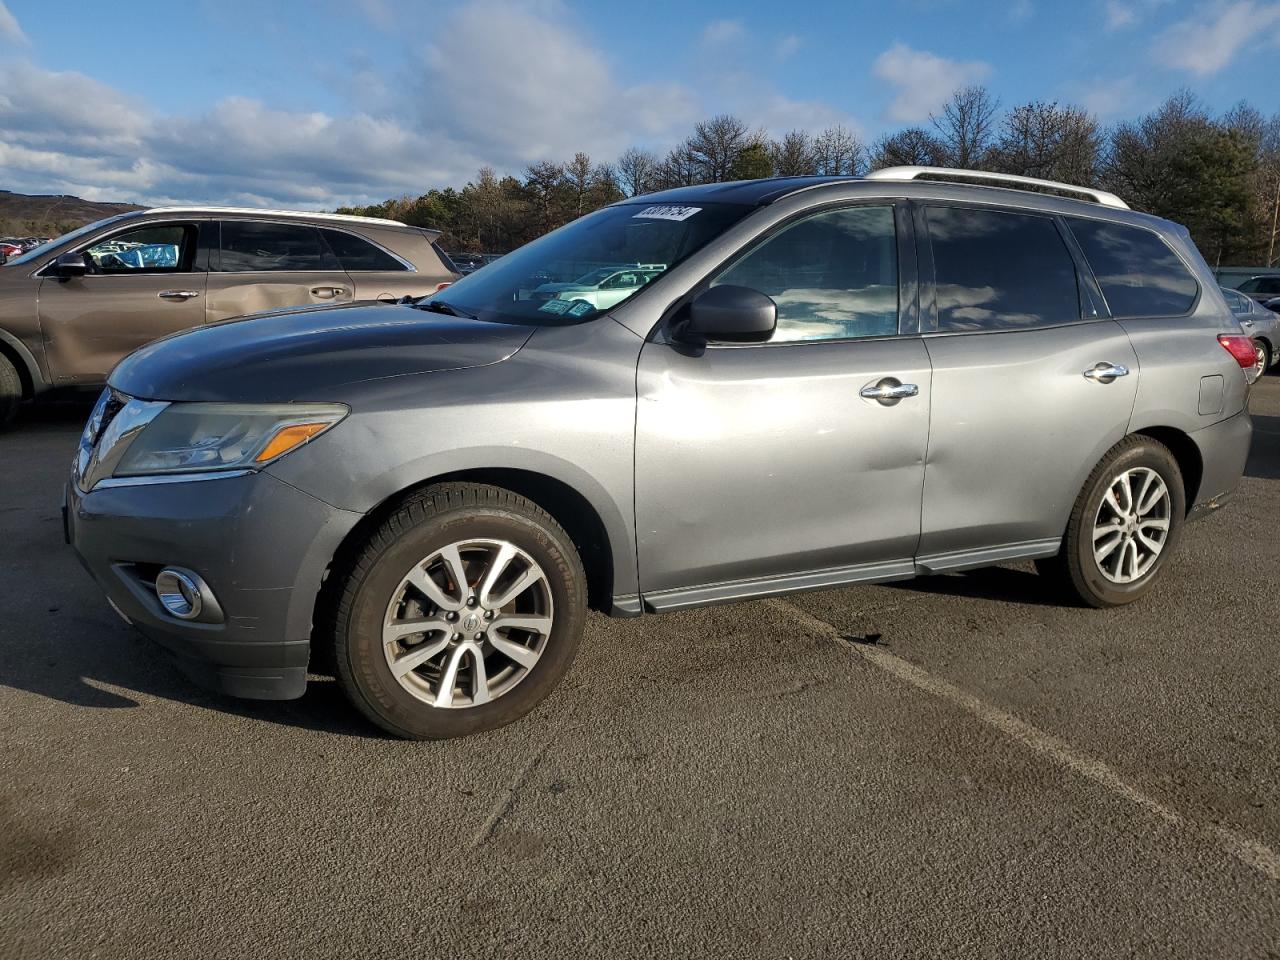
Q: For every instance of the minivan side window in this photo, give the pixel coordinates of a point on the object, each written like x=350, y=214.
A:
x=258, y=246
x=834, y=275
x=1261, y=285
x=356, y=253
x=1000, y=270
x=155, y=248
x=1139, y=275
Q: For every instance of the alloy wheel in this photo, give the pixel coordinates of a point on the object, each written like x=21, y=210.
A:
x=1132, y=525
x=468, y=623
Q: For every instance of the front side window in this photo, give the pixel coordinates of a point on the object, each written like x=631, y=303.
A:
x=589, y=266
x=1139, y=275
x=1000, y=270
x=1263, y=285
x=156, y=248
x=253, y=246
x=356, y=253
x=834, y=275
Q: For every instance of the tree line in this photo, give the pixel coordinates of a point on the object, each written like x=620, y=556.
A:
x=1217, y=175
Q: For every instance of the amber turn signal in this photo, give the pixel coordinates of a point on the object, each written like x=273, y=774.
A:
x=290, y=437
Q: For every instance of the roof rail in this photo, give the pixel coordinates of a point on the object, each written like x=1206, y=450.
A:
x=996, y=179
x=258, y=212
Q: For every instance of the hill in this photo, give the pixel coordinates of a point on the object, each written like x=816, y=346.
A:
x=48, y=216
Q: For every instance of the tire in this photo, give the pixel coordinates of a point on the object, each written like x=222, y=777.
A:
x=10, y=391
x=1116, y=580
x=1268, y=358
x=1262, y=359
x=409, y=560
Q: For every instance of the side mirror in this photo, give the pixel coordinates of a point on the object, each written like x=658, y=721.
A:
x=70, y=265
x=729, y=314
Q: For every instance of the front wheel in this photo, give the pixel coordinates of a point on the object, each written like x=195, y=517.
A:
x=1124, y=525
x=461, y=613
x=10, y=391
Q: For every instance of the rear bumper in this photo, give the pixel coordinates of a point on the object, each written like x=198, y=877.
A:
x=261, y=545
x=1224, y=448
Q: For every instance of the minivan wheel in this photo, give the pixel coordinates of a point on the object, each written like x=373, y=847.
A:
x=10, y=391
x=461, y=613
x=1125, y=524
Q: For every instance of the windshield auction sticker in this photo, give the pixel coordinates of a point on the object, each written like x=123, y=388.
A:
x=667, y=212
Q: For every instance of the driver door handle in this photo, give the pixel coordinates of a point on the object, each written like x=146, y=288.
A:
x=328, y=293
x=178, y=295
x=1106, y=372
x=889, y=391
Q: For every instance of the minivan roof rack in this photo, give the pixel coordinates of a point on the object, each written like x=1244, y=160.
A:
x=998, y=179
x=255, y=211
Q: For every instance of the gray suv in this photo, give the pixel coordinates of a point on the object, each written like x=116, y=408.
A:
x=814, y=382
x=72, y=308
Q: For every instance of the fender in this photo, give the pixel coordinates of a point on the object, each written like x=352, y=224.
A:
x=38, y=382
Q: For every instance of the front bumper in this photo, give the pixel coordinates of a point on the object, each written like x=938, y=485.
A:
x=263, y=547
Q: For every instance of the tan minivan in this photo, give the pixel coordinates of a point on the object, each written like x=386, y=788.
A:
x=71, y=309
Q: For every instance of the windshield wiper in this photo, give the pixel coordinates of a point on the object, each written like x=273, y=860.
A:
x=439, y=306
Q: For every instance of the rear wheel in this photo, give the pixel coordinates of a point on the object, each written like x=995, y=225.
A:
x=1262, y=359
x=461, y=613
x=1124, y=525
x=10, y=391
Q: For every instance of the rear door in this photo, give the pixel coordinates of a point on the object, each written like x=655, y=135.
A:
x=142, y=283
x=1032, y=383
x=379, y=273
x=762, y=468
x=268, y=264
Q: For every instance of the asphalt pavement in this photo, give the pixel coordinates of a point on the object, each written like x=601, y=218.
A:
x=956, y=766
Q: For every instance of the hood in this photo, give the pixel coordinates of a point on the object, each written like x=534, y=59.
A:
x=305, y=354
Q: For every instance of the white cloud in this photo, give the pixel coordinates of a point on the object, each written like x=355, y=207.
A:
x=9, y=29
x=923, y=80
x=1110, y=99
x=1120, y=15
x=720, y=32
x=1203, y=45
x=788, y=47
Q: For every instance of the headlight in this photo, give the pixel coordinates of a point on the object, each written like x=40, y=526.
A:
x=202, y=437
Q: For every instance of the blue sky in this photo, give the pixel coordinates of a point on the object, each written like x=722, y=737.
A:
x=317, y=103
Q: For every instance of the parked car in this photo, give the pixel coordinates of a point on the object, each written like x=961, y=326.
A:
x=70, y=309
x=600, y=289
x=1261, y=288
x=833, y=381
x=9, y=250
x=1261, y=323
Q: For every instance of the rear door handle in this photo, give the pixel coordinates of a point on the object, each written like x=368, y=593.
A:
x=889, y=391
x=178, y=295
x=328, y=293
x=1105, y=372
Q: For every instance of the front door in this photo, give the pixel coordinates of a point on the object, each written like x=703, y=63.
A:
x=266, y=264
x=141, y=284
x=764, y=468
x=1031, y=386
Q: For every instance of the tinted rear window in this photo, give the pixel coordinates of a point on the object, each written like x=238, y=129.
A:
x=253, y=245
x=999, y=270
x=355, y=253
x=1139, y=275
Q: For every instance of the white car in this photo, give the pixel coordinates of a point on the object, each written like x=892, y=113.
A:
x=602, y=288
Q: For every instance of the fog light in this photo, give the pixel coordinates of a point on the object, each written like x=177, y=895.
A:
x=179, y=593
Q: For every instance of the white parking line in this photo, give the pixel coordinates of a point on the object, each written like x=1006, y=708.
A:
x=1245, y=849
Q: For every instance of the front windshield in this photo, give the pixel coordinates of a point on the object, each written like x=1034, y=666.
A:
x=590, y=266
x=35, y=253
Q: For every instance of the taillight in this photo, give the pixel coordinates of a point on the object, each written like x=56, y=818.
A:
x=1240, y=347
x=441, y=286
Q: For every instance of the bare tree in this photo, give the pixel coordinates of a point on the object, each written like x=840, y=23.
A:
x=1045, y=140
x=637, y=171
x=837, y=153
x=793, y=155
x=913, y=146
x=967, y=126
x=578, y=176
x=714, y=146
x=677, y=169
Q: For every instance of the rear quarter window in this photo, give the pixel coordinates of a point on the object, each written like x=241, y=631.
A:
x=1139, y=274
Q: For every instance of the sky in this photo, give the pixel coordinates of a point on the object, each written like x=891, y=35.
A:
x=316, y=103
